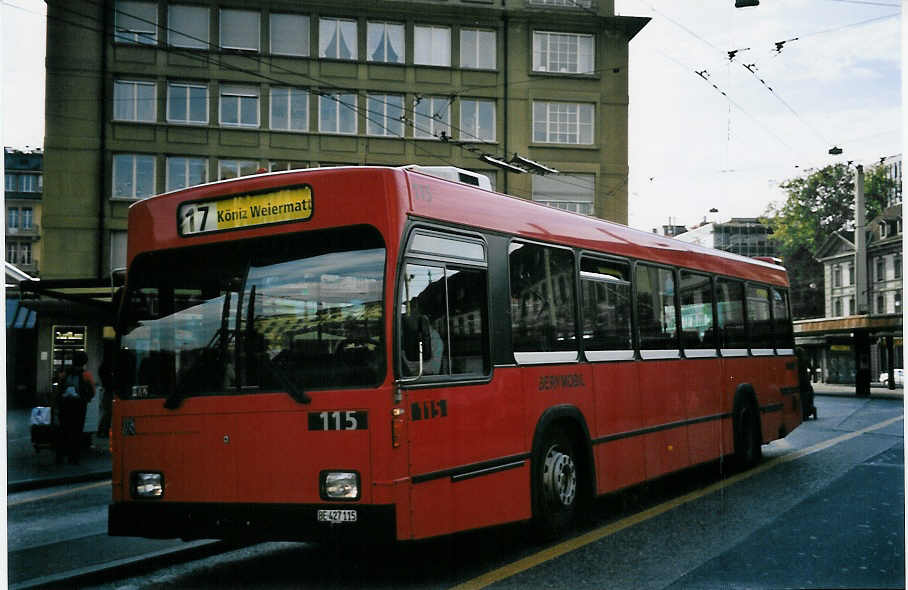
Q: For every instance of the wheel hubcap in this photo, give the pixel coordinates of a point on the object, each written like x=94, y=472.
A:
x=559, y=478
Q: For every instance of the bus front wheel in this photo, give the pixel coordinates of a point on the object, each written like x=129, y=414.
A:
x=556, y=485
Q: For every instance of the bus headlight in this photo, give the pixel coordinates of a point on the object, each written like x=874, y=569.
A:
x=147, y=484
x=339, y=485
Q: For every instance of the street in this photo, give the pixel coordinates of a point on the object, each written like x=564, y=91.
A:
x=824, y=509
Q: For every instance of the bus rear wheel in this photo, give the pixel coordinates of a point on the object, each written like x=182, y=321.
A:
x=556, y=485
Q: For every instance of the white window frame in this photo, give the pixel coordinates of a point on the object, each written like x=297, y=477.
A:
x=177, y=15
x=431, y=127
x=438, y=53
x=185, y=180
x=473, y=57
x=242, y=94
x=133, y=86
x=328, y=26
x=546, y=60
x=29, y=183
x=555, y=127
x=237, y=167
x=340, y=104
x=475, y=133
x=171, y=86
x=380, y=119
x=227, y=15
x=134, y=195
x=385, y=40
x=302, y=26
x=288, y=100
x=130, y=22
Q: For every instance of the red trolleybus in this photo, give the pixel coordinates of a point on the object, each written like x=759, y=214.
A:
x=378, y=349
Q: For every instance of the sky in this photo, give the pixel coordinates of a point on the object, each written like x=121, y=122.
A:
x=835, y=82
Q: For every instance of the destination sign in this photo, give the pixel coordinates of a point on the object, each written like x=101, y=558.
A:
x=242, y=211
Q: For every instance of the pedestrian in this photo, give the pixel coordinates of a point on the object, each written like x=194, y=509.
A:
x=105, y=373
x=73, y=394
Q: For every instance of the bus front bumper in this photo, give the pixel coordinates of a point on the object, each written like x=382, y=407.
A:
x=253, y=521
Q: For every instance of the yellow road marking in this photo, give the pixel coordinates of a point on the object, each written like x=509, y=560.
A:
x=570, y=545
x=61, y=493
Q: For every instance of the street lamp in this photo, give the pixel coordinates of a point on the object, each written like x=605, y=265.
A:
x=746, y=3
x=835, y=150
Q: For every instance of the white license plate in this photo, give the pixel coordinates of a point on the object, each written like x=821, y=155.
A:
x=337, y=515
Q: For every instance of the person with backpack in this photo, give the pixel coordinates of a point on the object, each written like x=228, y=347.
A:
x=74, y=392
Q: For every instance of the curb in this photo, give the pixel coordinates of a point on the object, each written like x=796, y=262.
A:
x=48, y=482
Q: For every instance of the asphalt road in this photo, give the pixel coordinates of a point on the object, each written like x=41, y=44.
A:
x=824, y=509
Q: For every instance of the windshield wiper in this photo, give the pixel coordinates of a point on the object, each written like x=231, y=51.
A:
x=282, y=374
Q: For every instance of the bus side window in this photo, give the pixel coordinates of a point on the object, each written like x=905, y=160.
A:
x=783, y=332
x=542, y=298
x=656, y=308
x=606, y=306
x=730, y=311
x=697, y=312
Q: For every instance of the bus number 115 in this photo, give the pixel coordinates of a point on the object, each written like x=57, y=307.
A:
x=338, y=420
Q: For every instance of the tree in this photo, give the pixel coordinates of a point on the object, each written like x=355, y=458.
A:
x=818, y=204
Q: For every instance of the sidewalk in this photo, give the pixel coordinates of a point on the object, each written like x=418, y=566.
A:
x=27, y=469
x=877, y=390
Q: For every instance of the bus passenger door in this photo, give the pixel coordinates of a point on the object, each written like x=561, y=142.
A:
x=463, y=425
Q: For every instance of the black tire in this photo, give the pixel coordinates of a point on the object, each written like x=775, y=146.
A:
x=748, y=438
x=556, y=485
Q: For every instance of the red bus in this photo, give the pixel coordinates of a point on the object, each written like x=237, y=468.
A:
x=373, y=349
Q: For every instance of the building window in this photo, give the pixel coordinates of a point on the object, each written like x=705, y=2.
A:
x=836, y=275
x=477, y=120
x=477, y=49
x=850, y=273
x=188, y=26
x=239, y=106
x=880, y=269
x=562, y=122
x=235, y=168
x=240, y=29
x=337, y=113
x=278, y=165
x=337, y=38
x=12, y=218
x=19, y=252
x=563, y=53
x=837, y=305
x=11, y=182
x=897, y=266
x=571, y=192
x=881, y=303
x=385, y=42
x=384, y=114
x=187, y=103
x=30, y=183
x=133, y=176
x=563, y=3
x=118, y=244
x=136, y=22
x=26, y=222
x=135, y=101
x=431, y=45
x=432, y=117
x=183, y=172
x=289, y=34
x=289, y=109
x=898, y=301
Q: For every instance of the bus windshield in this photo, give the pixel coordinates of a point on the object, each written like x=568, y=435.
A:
x=283, y=313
